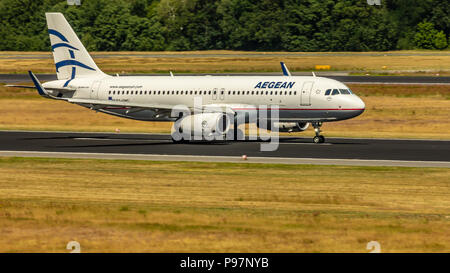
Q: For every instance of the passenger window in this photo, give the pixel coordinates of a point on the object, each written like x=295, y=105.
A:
x=344, y=92
x=335, y=92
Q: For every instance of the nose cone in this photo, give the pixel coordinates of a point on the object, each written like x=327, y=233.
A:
x=359, y=106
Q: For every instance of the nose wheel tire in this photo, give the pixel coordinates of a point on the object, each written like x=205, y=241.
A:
x=319, y=139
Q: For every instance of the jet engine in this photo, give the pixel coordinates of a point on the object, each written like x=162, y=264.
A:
x=205, y=125
x=290, y=126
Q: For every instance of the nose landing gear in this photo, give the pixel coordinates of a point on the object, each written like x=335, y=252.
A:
x=318, y=138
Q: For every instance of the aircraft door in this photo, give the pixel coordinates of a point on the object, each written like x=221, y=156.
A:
x=305, y=94
x=222, y=94
x=94, y=90
x=214, y=94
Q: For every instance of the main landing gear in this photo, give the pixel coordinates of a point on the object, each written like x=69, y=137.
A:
x=318, y=138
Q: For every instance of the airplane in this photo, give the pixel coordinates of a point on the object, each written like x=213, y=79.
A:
x=299, y=100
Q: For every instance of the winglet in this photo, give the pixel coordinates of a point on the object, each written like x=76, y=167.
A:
x=285, y=69
x=41, y=90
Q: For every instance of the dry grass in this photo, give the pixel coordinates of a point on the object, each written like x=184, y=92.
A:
x=229, y=61
x=130, y=206
x=391, y=111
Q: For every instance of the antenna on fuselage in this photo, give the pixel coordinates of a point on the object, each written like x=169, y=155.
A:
x=314, y=74
x=171, y=74
x=285, y=70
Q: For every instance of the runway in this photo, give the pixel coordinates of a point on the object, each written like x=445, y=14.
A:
x=291, y=150
x=422, y=80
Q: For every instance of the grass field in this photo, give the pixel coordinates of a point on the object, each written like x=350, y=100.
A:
x=391, y=111
x=235, y=61
x=135, y=206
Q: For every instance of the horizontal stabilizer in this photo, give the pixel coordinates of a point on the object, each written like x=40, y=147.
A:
x=61, y=90
x=41, y=90
x=21, y=86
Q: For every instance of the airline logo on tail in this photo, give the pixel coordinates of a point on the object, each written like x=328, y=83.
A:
x=72, y=62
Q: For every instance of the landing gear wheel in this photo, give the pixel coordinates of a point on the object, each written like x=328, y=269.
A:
x=319, y=139
x=322, y=139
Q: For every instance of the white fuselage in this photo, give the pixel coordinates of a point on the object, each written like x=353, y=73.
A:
x=298, y=98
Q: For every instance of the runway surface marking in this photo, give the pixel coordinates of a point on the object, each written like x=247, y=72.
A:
x=230, y=159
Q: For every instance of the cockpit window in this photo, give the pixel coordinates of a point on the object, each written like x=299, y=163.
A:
x=335, y=92
x=327, y=93
x=344, y=91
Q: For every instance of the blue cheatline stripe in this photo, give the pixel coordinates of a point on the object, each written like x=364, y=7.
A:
x=71, y=62
x=63, y=45
x=283, y=67
x=74, y=69
x=71, y=54
x=57, y=34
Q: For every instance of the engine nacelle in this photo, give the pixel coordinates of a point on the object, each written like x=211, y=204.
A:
x=290, y=126
x=205, y=125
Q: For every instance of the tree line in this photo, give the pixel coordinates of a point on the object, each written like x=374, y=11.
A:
x=264, y=25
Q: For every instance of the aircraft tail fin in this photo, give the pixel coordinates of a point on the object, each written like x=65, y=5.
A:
x=71, y=57
x=286, y=71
